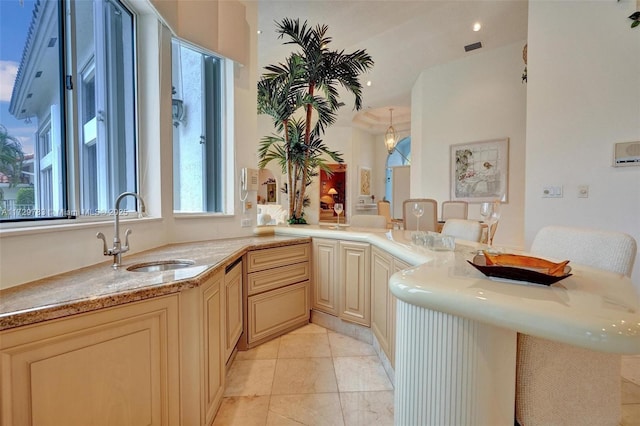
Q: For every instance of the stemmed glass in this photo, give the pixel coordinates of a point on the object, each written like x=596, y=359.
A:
x=486, y=209
x=490, y=212
x=418, y=210
x=338, y=208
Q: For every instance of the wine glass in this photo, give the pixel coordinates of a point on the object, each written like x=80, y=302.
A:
x=494, y=217
x=338, y=208
x=417, y=210
x=486, y=209
x=490, y=213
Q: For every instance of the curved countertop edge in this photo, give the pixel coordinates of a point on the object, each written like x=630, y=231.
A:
x=584, y=329
x=83, y=303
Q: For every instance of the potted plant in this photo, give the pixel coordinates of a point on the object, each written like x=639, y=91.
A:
x=293, y=92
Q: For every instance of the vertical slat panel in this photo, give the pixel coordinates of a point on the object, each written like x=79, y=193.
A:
x=446, y=368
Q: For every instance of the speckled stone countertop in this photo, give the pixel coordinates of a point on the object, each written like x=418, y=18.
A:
x=100, y=286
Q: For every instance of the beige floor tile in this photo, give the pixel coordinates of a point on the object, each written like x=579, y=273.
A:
x=630, y=392
x=304, y=375
x=267, y=350
x=367, y=408
x=630, y=415
x=250, y=377
x=631, y=368
x=309, y=328
x=318, y=409
x=342, y=345
x=304, y=345
x=243, y=410
x=361, y=373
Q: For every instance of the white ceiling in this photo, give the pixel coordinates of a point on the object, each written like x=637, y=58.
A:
x=403, y=38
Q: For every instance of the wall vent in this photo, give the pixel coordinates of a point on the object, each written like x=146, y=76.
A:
x=626, y=154
x=472, y=46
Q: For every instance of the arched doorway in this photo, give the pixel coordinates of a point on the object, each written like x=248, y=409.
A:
x=400, y=158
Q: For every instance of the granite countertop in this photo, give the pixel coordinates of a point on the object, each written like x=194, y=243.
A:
x=100, y=286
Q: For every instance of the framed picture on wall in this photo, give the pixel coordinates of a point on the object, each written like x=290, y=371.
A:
x=364, y=180
x=479, y=171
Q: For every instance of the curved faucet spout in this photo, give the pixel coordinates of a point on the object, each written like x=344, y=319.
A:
x=116, y=226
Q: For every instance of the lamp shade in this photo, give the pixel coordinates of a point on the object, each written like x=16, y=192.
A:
x=327, y=199
x=332, y=191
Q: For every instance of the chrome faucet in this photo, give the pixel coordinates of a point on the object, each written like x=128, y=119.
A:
x=117, y=249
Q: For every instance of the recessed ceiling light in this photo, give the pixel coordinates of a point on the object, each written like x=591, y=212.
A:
x=477, y=26
x=369, y=83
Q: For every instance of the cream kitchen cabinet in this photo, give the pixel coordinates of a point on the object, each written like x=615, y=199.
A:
x=278, y=292
x=211, y=349
x=233, y=306
x=158, y=361
x=325, y=276
x=354, y=299
x=381, y=320
x=113, y=366
x=341, y=284
x=383, y=302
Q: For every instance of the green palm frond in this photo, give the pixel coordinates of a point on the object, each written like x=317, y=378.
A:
x=308, y=79
x=11, y=156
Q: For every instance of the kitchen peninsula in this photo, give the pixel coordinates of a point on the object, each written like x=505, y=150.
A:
x=456, y=329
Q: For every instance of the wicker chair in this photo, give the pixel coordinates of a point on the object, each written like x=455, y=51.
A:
x=465, y=229
x=454, y=210
x=368, y=221
x=427, y=222
x=384, y=209
x=560, y=384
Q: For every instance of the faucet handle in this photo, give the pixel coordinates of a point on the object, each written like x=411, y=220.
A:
x=126, y=240
x=105, y=250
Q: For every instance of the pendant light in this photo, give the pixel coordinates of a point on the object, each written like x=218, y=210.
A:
x=390, y=137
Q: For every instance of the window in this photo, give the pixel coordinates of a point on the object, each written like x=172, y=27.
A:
x=199, y=97
x=90, y=85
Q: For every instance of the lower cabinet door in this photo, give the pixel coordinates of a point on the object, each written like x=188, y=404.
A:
x=114, y=366
x=325, y=276
x=354, y=282
x=381, y=322
x=274, y=312
x=233, y=309
x=213, y=351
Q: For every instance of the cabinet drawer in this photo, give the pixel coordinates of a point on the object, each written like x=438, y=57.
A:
x=257, y=260
x=270, y=279
x=275, y=311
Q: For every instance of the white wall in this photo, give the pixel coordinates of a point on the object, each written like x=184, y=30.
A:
x=477, y=98
x=584, y=96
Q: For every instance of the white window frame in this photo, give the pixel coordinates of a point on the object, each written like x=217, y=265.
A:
x=224, y=204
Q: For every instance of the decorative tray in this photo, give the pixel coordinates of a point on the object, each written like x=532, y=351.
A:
x=521, y=268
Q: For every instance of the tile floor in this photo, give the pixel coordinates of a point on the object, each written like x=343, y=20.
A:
x=631, y=390
x=313, y=376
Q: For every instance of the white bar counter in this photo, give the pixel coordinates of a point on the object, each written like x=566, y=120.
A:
x=456, y=329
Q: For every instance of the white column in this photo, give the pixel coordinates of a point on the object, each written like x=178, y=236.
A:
x=451, y=370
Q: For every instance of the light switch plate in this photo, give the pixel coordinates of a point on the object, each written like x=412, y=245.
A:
x=552, y=191
x=583, y=191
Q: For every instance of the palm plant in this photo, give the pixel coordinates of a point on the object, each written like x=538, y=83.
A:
x=11, y=156
x=307, y=81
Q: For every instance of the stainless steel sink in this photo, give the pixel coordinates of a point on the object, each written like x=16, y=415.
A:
x=160, y=265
